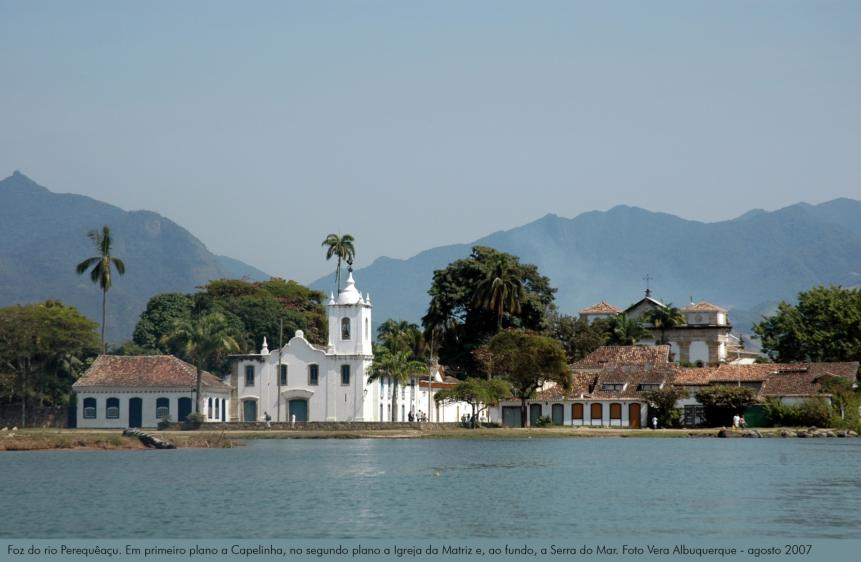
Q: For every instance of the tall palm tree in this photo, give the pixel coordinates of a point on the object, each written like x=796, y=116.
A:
x=626, y=331
x=399, y=367
x=500, y=291
x=342, y=248
x=201, y=340
x=101, y=272
x=400, y=335
x=664, y=318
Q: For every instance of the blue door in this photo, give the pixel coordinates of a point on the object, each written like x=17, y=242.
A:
x=183, y=409
x=534, y=413
x=135, y=412
x=249, y=410
x=298, y=408
x=511, y=416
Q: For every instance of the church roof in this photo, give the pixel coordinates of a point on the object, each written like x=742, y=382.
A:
x=601, y=308
x=349, y=294
x=652, y=303
x=141, y=371
x=702, y=306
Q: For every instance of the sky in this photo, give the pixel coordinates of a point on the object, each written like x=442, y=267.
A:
x=263, y=126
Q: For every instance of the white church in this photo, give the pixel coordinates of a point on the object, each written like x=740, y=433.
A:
x=315, y=383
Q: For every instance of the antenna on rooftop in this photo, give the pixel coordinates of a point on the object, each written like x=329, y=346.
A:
x=647, y=279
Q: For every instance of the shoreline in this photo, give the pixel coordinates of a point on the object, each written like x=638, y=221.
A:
x=112, y=439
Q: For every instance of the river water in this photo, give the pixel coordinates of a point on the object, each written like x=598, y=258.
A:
x=443, y=489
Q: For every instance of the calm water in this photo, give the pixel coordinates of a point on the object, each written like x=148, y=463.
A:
x=534, y=488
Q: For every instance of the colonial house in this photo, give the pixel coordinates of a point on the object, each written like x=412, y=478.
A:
x=138, y=391
x=704, y=339
x=306, y=382
x=608, y=385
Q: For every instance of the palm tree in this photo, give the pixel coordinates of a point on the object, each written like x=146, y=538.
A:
x=201, y=340
x=399, y=367
x=626, y=331
x=101, y=272
x=500, y=291
x=400, y=335
x=341, y=247
x=664, y=318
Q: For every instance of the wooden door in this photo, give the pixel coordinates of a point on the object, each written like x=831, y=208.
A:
x=135, y=412
x=634, y=416
x=597, y=414
x=577, y=411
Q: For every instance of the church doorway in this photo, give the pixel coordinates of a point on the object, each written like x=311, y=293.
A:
x=135, y=412
x=249, y=410
x=298, y=407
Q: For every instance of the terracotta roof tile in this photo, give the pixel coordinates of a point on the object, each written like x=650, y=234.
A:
x=624, y=354
x=601, y=308
x=141, y=371
x=703, y=306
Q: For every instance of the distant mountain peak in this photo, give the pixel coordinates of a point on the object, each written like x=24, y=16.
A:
x=20, y=181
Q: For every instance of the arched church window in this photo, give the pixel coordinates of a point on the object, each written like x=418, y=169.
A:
x=345, y=328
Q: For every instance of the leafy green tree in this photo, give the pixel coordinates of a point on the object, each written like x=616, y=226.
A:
x=101, y=268
x=459, y=323
x=343, y=248
x=824, y=326
x=528, y=361
x=721, y=403
x=578, y=336
x=162, y=312
x=625, y=330
x=810, y=412
x=399, y=367
x=46, y=346
x=664, y=318
x=501, y=290
x=480, y=394
x=203, y=339
x=662, y=402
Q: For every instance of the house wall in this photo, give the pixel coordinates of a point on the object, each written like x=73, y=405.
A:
x=148, y=405
x=547, y=409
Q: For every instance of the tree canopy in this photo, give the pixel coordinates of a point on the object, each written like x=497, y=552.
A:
x=473, y=298
x=45, y=347
x=252, y=310
x=824, y=326
x=578, y=336
x=721, y=403
x=480, y=394
x=528, y=362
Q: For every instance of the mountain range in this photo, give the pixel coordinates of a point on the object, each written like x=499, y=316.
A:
x=747, y=264
x=43, y=235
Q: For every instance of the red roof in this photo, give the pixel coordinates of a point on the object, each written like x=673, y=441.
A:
x=624, y=354
x=141, y=371
x=703, y=306
x=601, y=308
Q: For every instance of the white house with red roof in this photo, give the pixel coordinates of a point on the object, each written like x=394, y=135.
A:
x=137, y=391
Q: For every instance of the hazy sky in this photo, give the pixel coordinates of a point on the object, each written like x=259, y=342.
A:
x=263, y=126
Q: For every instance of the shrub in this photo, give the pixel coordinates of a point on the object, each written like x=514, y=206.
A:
x=662, y=405
x=164, y=423
x=811, y=412
x=544, y=421
x=193, y=421
x=721, y=403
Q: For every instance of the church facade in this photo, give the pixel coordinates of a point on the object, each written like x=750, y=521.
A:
x=704, y=339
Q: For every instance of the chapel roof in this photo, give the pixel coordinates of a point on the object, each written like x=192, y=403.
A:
x=145, y=371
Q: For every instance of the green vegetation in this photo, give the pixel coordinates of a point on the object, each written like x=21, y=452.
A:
x=101, y=269
x=343, y=248
x=480, y=394
x=578, y=337
x=473, y=298
x=397, y=357
x=44, y=348
x=625, y=331
x=664, y=318
x=824, y=326
x=252, y=309
x=662, y=404
x=527, y=361
x=812, y=412
x=202, y=339
x=721, y=403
